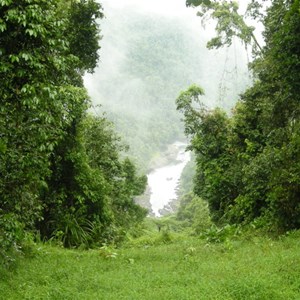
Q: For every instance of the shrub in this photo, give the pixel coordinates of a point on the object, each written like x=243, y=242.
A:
x=11, y=237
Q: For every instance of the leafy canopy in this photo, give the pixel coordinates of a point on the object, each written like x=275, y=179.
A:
x=248, y=163
x=230, y=22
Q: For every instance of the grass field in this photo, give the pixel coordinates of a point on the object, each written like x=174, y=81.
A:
x=178, y=267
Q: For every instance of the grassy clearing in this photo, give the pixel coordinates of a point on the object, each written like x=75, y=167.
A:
x=184, y=268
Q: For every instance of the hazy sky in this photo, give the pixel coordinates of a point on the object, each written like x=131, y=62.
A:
x=164, y=7
x=177, y=8
x=216, y=63
x=173, y=8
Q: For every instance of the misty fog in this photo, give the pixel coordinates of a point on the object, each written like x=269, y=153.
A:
x=150, y=52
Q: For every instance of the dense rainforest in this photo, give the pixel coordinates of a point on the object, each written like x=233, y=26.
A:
x=63, y=171
x=248, y=162
x=70, y=227
x=64, y=174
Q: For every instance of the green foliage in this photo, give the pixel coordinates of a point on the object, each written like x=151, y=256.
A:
x=11, y=237
x=90, y=195
x=185, y=103
x=30, y=123
x=107, y=252
x=37, y=96
x=248, y=164
x=194, y=212
x=220, y=235
x=83, y=33
x=73, y=230
x=230, y=22
x=208, y=130
x=57, y=177
x=187, y=268
x=186, y=179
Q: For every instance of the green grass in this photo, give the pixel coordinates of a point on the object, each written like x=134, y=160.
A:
x=185, y=268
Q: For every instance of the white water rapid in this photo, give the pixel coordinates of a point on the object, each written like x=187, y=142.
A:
x=163, y=182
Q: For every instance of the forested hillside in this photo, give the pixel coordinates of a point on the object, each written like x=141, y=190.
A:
x=146, y=60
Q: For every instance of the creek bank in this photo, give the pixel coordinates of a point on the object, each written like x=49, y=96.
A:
x=165, y=158
x=163, y=180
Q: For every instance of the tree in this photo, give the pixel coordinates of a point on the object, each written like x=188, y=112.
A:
x=194, y=211
x=90, y=194
x=35, y=99
x=209, y=132
x=41, y=95
x=230, y=23
x=105, y=150
x=83, y=32
x=250, y=172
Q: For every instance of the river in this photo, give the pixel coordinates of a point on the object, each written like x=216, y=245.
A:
x=163, y=182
